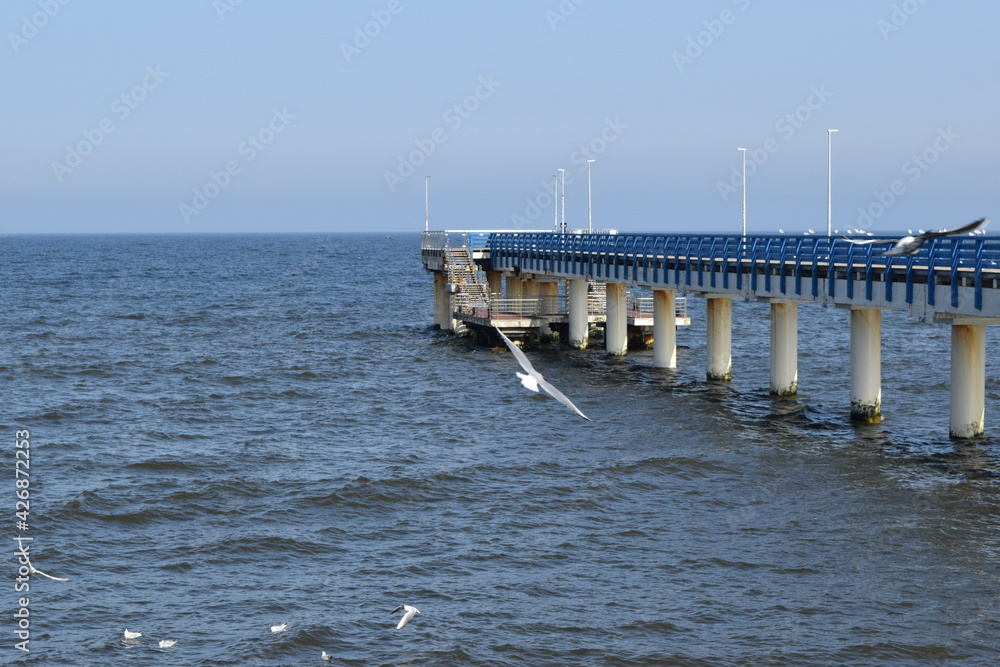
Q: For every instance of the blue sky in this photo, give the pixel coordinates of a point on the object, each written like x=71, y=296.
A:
x=251, y=116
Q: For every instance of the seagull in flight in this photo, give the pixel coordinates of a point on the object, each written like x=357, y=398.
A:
x=533, y=380
x=167, y=643
x=132, y=635
x=909, y=245
x=35, y=570
x=410, y=612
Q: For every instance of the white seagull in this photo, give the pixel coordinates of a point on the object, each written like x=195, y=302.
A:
x=410, y=612
x=35, y=570
x=167, y=643
x=326, y=656
x=533, y=380
x=279, y=628
x=132, y=635
x=909, y=245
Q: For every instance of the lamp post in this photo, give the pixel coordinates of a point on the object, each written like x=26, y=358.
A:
x=555, y=198
x=590, y=210
x=563, y=173
x=427, y=205
x=829, y=182
x=744, y=151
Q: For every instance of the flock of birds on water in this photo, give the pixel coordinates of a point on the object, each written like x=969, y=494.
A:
x=408, y=613
x=534, y=381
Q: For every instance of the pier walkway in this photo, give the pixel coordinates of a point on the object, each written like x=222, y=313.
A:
x=471, y=294
x=952, y=280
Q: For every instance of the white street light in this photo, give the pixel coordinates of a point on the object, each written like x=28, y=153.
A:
x=590, y=211
x=744, y=151
x=829, y=181
x=555, y=198
x=563, y=172
x=427, y=204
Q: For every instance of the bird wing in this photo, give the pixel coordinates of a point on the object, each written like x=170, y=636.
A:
x=972, y=226
x=35, y=570
x=867, y=241
x=542, y=382
x=558, y=395
x=410, y=612
x=518, y=354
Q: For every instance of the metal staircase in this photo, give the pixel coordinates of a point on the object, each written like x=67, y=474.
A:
x=470, y=287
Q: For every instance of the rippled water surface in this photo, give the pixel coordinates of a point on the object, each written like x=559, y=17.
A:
x=234, y=431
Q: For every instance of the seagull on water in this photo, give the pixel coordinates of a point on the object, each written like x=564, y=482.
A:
x=909, y=245
x=279, y=628
x=326, y=656
x=533, y=380
x=410, y=612
x=167, y=643
x=132, y=635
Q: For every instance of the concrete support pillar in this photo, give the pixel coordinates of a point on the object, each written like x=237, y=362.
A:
x=719, y=319
x=579, y=327
x=784, y=348
x=866, y=365
x=495, y=280
x=664, y=328
x=968, y=380
x=616, y=320
x=442, y=302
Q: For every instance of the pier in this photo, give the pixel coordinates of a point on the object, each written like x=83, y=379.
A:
x=471, y=295
x=954, y=281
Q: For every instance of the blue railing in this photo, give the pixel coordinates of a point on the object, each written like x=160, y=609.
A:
x=479, y=240
x=687, y=259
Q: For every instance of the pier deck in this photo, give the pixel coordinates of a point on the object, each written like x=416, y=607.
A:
x=954, y=280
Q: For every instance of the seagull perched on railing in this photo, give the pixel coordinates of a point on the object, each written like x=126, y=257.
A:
x=533, y=380
x=909, y=245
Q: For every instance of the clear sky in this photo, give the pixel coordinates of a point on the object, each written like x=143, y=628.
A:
x=311, y=115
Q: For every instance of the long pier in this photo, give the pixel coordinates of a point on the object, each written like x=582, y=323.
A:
x=952, y=280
